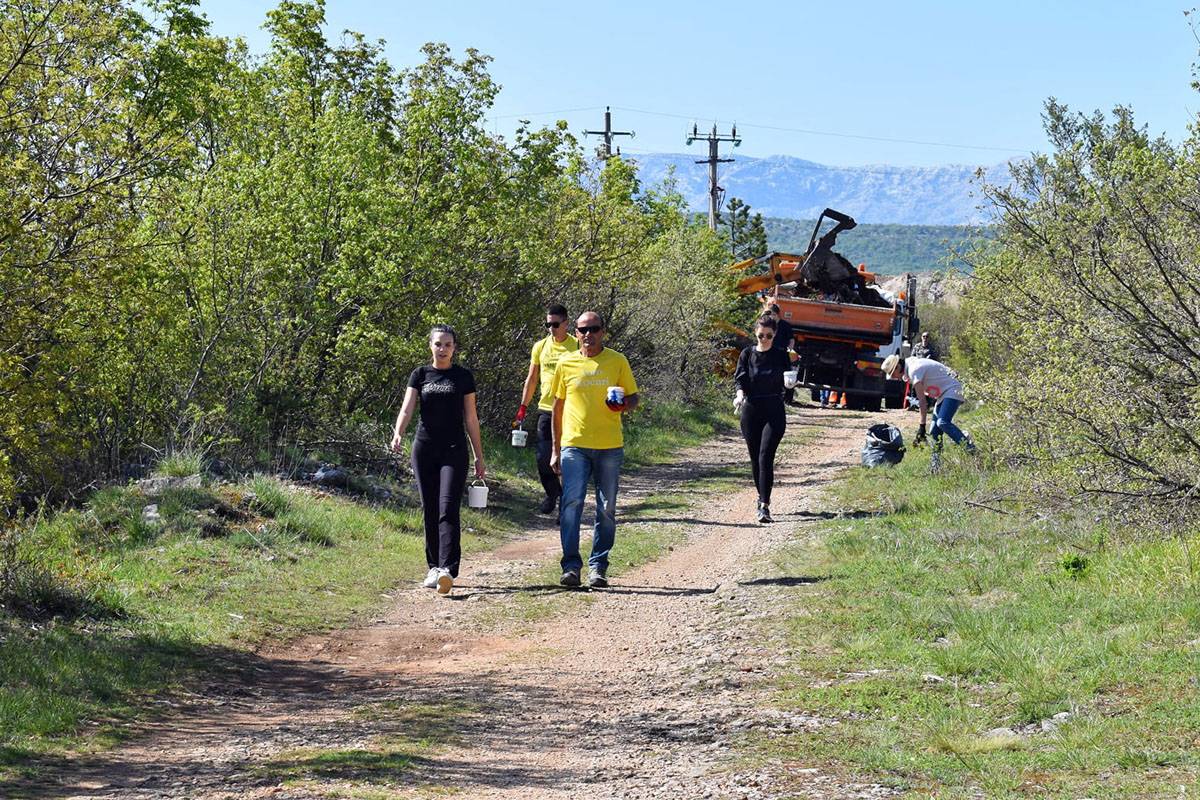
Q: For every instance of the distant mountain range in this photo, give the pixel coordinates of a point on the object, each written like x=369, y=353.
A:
x=783, y=186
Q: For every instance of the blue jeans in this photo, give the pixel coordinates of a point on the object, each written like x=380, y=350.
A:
x=943, y=413
x=578, y=465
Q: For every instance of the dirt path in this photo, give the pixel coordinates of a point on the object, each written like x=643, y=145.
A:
x=635, y=691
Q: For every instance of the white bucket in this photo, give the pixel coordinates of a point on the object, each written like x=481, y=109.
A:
x=519, y=437
x=615, y=394
x=790, y=378
x=477, y=494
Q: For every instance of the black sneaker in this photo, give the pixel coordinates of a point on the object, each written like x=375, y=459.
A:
x=764, y=513
x=547, y=505
x=570, y=578
x=597, y=579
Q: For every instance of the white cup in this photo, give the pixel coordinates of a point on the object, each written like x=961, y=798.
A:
x=615, y=394
x=519, y=437
x=477, y=494
x=790, y=378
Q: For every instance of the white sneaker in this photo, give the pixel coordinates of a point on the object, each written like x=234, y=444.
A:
x=444, y=581
x=431, y=579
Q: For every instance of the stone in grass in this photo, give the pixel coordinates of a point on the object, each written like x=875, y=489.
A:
x=332, y=477
x=929, y=677
x=150, y=514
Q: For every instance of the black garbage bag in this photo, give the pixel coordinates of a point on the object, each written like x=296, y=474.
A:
x=884, y=446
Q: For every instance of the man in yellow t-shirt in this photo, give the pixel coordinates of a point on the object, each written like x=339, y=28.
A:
x=543, y=360
x=591, y=389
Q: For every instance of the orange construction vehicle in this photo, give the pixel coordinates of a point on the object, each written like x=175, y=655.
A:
x=843, y=325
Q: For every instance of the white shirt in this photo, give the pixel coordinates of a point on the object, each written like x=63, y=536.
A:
x=939, y=380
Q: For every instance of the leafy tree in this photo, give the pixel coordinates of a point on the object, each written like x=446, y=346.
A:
x=207, y=248
x=1084, y=319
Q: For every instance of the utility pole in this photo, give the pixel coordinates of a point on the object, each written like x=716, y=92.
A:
x=714, y=191
x=605, y=151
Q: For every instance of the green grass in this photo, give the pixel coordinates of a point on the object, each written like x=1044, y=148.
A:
x=179, y=465
x=1022, y=615
x=116, y=607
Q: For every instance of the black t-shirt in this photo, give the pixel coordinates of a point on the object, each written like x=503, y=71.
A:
x=760, y=373
x=441, y=392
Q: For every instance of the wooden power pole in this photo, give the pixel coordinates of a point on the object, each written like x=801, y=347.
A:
x=714, y=191
x=605, y=151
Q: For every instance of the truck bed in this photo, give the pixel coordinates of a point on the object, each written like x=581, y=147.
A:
x=863, y=323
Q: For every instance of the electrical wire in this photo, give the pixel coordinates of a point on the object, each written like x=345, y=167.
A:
x=830, y=133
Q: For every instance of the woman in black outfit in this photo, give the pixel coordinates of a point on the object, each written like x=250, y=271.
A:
x=759, y=380
x=446, y=394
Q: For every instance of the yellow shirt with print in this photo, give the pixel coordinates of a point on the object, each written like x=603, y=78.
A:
x=546, y=354
x=582, y=384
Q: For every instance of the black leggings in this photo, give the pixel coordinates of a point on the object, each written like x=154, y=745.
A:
x=545, y=446
x=763, y=422
x=441, y=471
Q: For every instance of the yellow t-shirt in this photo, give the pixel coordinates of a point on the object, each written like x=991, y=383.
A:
x=582, y=383
x=546, y=354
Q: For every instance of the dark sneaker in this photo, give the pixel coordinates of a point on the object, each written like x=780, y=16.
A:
x=570, y=578
x=597, y=579
x=969, y=444
x=547, y=505
x=764, y=513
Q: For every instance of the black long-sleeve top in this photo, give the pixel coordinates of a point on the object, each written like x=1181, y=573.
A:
x=759, y=373
x=784, y=333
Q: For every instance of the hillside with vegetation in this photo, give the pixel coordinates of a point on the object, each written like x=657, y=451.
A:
x=885, y=249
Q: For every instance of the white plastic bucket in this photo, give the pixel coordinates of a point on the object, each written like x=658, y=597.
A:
x=519, y=437
x=477, y=494
x=790, y=378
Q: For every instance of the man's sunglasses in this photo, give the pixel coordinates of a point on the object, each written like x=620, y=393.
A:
x=765, y=335
x=553, y=324
x=588, y=328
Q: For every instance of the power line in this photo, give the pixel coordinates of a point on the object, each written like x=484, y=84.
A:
x=814, y=167
x=831, y=133
x=546, y=113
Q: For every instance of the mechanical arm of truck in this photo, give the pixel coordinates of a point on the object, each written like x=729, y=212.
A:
x=781, y=268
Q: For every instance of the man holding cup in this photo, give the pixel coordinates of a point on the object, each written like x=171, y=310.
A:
x=543, y=361
x=591, y=389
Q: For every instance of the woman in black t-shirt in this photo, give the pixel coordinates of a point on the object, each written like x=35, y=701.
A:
x=446, y=394
x=759, y=381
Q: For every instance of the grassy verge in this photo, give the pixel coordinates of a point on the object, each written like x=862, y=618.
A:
x=142, y=591
x=972, y=647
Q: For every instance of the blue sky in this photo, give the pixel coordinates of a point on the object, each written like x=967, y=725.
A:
x=968, y=74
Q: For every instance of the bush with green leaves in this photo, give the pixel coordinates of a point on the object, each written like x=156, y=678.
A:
x=1084, y=318
x=242, y=255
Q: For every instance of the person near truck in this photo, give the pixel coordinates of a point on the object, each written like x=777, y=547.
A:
x=925, y=348
x=592, y=388
x=932, y=380
x=759, y=404
x=445, y=393
x=785, y=338
x=543, y=361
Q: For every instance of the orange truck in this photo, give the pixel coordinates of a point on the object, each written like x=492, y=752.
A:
x=840, y=344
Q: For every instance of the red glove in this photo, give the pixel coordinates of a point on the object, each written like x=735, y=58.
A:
x=616, y=406
x=521, y=414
